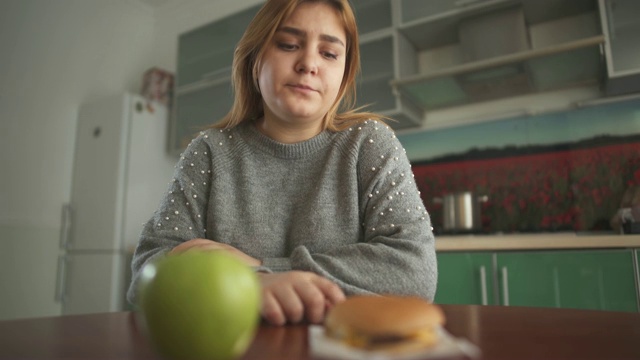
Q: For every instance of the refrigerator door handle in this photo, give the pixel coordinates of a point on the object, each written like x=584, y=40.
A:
x=65, y=230
x=61, y=279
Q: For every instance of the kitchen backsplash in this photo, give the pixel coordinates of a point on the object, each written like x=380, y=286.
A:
x=564, y=171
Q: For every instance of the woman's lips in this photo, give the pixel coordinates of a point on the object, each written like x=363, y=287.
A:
x=301, y=87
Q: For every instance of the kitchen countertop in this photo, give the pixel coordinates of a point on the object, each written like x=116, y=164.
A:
x=537, y=241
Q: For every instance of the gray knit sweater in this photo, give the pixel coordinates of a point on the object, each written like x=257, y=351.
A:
x=341, y=204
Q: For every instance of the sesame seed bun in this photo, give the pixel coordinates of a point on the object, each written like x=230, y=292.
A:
x=385, y=322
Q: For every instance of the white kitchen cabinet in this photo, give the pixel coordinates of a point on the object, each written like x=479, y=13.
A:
x=621, y=27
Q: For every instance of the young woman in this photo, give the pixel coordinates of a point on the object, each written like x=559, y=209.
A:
x=317, y=197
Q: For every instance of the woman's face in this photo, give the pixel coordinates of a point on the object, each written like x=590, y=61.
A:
x=303, y=67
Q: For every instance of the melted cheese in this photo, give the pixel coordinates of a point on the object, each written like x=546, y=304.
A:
x=425, y=337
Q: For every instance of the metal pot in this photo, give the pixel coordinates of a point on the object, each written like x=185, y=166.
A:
x=461, y=210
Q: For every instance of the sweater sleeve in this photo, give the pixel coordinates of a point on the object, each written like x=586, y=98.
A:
x=397, y=251
x=181, y=215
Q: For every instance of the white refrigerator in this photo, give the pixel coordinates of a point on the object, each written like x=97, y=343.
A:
x=121, y=170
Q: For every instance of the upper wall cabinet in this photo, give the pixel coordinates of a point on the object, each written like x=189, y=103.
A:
x=470, y=51
x=206, y=53
x=372, y=15
x=203, y=93
x=419, y=55
x=621, y=26
x=381, y=64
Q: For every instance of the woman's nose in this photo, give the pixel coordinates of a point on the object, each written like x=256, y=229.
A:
x=307, y=63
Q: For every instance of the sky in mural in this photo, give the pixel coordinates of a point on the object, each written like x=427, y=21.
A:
x=617, y=119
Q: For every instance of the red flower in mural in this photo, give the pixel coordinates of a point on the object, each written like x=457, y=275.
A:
x=564, y=190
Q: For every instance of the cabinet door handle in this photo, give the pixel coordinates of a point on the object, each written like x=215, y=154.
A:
x=483, y=285
x=505, y=286
x=61, y=281
x=65, y=228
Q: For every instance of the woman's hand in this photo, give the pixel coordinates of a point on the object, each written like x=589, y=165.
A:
x=210, y=245
x=297, y=295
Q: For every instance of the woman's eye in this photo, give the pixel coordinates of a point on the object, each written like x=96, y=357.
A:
x=286, y=46
x=330, y=55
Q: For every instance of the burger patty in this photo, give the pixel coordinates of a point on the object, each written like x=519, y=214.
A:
x=387, y=339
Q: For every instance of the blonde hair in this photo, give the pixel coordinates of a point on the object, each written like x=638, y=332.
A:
x=251, y=48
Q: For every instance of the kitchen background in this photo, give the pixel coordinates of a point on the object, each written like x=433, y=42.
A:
x=543, y=158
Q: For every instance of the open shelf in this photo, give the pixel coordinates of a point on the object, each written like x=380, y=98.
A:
x=565, y=65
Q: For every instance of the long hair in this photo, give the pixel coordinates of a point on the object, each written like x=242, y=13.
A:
x=250, y=51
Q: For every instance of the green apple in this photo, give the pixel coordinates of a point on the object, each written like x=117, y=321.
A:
x=200, y=305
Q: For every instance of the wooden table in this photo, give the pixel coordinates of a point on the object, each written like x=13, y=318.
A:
x=500, y=332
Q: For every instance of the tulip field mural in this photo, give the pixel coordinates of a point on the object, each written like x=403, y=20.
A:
x=555, y=172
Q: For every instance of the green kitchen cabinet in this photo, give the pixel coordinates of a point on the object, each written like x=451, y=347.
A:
x=197, y=111
x=377, y=70
x=580, y=279
x=207, y=51
x=465, y=278
x=602, y=280
x=203, y=93
x=372, y=15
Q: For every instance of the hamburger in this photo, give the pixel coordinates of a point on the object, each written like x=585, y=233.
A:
x=394, y=324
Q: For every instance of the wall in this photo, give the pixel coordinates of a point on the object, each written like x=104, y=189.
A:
x=55, y=55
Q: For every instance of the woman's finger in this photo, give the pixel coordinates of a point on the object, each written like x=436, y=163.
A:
x=332, y=292
x=271, y=310
x=290, y=302
x=313, y=299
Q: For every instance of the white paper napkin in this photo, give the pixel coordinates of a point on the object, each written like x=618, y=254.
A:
x=447, y=346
